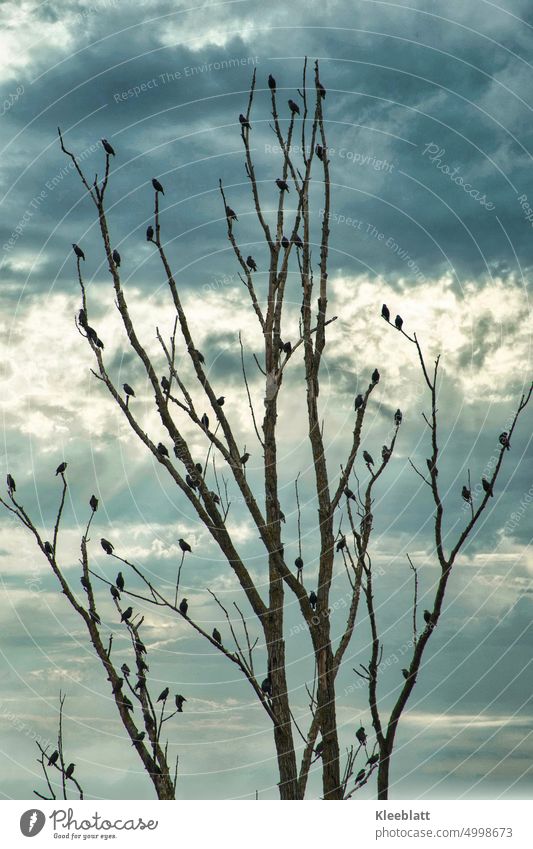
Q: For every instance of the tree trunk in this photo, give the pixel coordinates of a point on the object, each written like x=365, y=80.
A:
x=288, y=772
x=331, y=781
x=383, y=775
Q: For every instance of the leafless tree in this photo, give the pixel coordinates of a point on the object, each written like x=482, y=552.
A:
x=288, y=236
x=56, y=761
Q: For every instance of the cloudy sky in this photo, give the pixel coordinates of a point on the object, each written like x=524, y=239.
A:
x=428, y=117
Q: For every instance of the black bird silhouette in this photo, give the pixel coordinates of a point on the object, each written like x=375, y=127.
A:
x=163, y=695
x=467, y=495
x=368, y=458
x=398, y=321
x=149, y=233
x=319, y=150
x=205, y=421
x=184, y=545
x=266, y=686
x=244, y=459
x=165, y=385
x=119, y=583
x=107, y=546
x=93, y=503
x=373, y=759
x=405, y=673
x=231, y=215
x=348, y=493
x=78, y=251
x=298, y=242
x=162, y=449
x=287, y=347
x=128, y=390
x=282, y=185
x=69, y=770
x=84, y=582
x=139, y=738
x=125, y=670
x=321, y=90
x=157, y=186
x=11, y=485
x=116, y=258
x=217, y=636
x=107, y=147
x=385, y=453
x=271, y=83
x=53, y=758
x=179, y=703
x=359, y=401
x=61, y=468
x=114, y=593
x=398, y=417
x=299, y=564
x=295, y=109
x=313, y=599
x=360, y=775
x=197, y=354
x=250, y=262
x=375, y=376
x=244, y=122
x=487, y=486
x=385, y=312
x=48, y=547
x=285, y=242
x=504, y=440
x=184, y=606
x=82, y=318
x=319, y=749
x=428, y=619
x=341, y=543
x=220, y=401
x=127, y=614
x=191, y=483
x=361, y=736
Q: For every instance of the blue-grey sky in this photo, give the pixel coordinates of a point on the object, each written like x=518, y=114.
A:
x=428, y=118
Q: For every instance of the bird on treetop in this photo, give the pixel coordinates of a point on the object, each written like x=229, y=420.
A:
x=78, y=251
x=107, y=147
x=184, y=545
x=61, y=468
x=295, y=109
x=244, y=122
x=217, y=636
x=157, y=186
x=184, y=606
x=93, y=503
x=107, y=546
x=250, y=262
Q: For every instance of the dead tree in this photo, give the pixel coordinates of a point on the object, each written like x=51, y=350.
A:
x=56, y=761
x=446, y=557
x=129, y=688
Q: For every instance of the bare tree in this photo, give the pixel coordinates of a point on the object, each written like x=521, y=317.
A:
x=56, y=761
x=289, y=239
x=144, y=733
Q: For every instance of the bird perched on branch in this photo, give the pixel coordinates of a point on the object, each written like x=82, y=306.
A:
x=191, y=483
x=298, y=242
x=11, y=484
x=385, y=453
x=359, y=401
x=165, y=385
x=341, y=543
x=231, y=215
x=128, y=390
x=119, y=583
x=385, y=312
x=221, y=400
x=348, y=493
x=217, y=636
x=107, y=147
x=287, y=347
x=428, y=618
x=162, y=449
x=313, y=599
x=205, y=421
x=149, y=233
x=487, y=486
x=78, y=251
x=319, y=150
x=398, y=322
x=244, y=122
x=299, y=565
x=82, y=318
x=115, y=595
x=53, y=758
x=398, y=417
x=107, y=546
x=250, y=262
x=360, y=775
x=467, y=495
x=285, y=242
x=244, y=459
x=85, y=583
x=282, y=185
x=321, y=90
x=368, y=458
x=127, y=614
x=504, y=440
x=271, y=83
x=163, y=696
x=184, y=606
x=295, y=109
x=69, y=770
x=179, y=703
x=405, y=673
x=116, y=258
x=361, y=736
x=61, y=469
x=375, y=376
x=93, y=503
x=184, y=545
x=48, y=548
x=266, y=686
x=125, y=670
x=157, y=186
